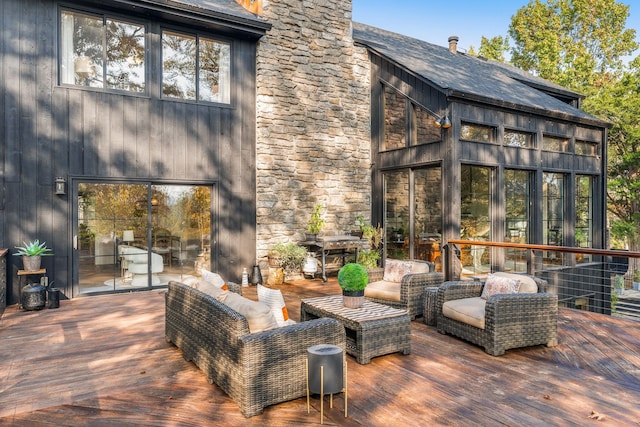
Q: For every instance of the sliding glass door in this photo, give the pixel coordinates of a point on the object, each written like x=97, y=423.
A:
x=139, y=236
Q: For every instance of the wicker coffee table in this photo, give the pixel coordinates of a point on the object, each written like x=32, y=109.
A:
x=372, y=330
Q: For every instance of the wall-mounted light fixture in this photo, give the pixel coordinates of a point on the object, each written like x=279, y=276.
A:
x=61, y=186
x=443, y=122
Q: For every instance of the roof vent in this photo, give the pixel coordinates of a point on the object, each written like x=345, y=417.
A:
x=453, y=44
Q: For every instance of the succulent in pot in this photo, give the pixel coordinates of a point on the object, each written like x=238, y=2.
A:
x=31, y=253
x=353, y=279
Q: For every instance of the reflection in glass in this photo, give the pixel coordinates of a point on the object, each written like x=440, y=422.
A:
x=584, y=215
x=475, y=224
x=178, y=65
x=553, y=215
x=427, y=214
x=426, y=131
x=517, y=216
x=139, y=235
x=84, y=60
x=394, y=119
x=396, y=223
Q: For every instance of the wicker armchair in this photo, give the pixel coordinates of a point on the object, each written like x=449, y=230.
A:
x=412, y=288
x=511, y=320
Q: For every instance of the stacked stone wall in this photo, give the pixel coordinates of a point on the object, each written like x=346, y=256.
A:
x=313, y=121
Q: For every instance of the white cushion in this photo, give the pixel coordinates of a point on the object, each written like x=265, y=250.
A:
x=495, y=285
x=208, y=288
x=527, y=284
x=466, y=310
x=384, y=290
x=214, y=278
x=274, y=299
x=258, y=315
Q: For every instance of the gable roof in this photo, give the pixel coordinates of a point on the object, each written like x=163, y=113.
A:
x=472, y=78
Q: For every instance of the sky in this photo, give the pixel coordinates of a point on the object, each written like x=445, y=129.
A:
x=434, y=21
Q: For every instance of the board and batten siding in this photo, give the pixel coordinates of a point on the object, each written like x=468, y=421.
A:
x=48, y=130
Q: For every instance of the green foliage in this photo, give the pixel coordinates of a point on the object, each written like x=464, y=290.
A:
x=494, y=48
x=291, y=255
x=316, y=222
x=578, y=44
x=368, y=258
x=33, y=248
x=353, y=277
x=618, y=102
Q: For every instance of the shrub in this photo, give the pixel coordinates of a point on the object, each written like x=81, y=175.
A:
x=353, y=277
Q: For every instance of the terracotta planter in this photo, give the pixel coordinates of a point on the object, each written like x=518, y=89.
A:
x=31, y=263
x=353, y=299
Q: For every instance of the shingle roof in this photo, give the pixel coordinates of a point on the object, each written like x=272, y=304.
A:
x=229, y=10
x=462, y=75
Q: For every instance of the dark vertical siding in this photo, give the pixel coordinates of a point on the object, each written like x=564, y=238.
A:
x=50, y=131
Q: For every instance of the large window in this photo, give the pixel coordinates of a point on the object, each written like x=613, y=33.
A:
x=475, y=211
x=395, y=119
x=195, y=68
x=133, y=236
x=102, y=52
x=517, y=185
x=413, y=231
x=553, y=214
x=584, y=214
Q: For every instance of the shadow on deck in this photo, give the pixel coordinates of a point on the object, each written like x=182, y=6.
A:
x=104, y=361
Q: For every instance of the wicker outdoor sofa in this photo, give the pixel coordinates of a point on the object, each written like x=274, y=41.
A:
x=255, y=369
x=404, y=291
x=510, y=320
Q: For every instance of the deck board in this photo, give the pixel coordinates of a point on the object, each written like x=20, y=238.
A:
x=104, y=361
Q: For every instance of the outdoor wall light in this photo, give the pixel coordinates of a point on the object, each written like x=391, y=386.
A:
x=443, y=122
x=61, y=186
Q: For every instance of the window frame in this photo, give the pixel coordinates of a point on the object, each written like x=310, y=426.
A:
x=532, y=140
x=493, y=129
x=104, y=16
x=197, y=35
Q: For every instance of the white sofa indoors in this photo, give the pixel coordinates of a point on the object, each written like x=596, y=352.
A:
x=137, y=260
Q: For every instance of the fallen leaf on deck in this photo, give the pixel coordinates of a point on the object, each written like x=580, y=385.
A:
x=596, y=416
x=546, y=397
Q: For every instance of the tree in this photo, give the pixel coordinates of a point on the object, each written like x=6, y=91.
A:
x=619, y=103
x=579, y=44
x=494, y=48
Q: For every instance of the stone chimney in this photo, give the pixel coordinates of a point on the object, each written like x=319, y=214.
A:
x=453, y=44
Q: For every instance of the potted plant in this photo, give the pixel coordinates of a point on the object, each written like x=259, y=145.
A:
x=636, y=280
x=369, y=257
x=353, y=278
x=286, y=257
x=316, y=223
x=31, y=253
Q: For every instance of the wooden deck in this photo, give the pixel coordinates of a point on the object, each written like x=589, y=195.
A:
x=104, y=361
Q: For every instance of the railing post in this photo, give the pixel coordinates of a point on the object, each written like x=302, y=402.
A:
x=531, y=262
x=451, y=263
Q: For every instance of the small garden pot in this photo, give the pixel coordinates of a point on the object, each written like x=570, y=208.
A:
x=353, y=299
x=31, y=262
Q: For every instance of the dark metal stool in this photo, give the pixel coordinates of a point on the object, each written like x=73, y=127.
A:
x=326, y=374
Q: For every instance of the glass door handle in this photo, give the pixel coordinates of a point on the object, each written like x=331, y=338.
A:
x=75, y=242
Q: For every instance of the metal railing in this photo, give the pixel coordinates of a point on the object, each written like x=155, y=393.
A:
x=596, y=280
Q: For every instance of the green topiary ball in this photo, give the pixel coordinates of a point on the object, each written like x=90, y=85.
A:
x=353, y=277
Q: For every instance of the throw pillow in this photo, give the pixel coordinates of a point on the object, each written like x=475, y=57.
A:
x=495, y=285
x=395, y=269
x=527, y=284
x=208, y=288
x=274, y=299
x=258, y=315
x=213, y=278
